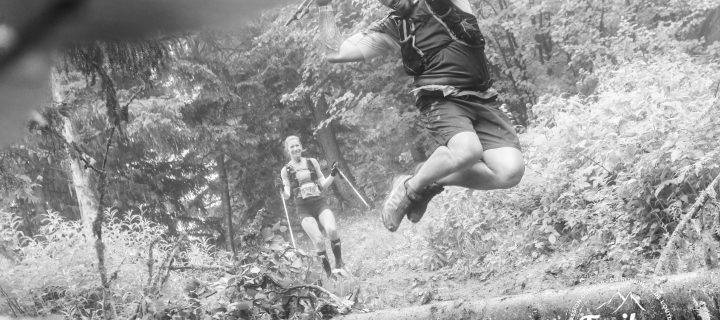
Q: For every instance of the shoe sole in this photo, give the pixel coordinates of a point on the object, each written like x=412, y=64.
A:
x=390, y=221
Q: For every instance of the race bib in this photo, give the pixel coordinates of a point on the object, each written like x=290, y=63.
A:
x=309, y=189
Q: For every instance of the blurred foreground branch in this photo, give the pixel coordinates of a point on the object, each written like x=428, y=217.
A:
x=708, y=193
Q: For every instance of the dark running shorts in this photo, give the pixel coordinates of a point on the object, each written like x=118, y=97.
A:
x=310, y=208
x=445, y=117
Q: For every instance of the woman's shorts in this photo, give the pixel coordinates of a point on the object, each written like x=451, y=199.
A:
x=310, y=208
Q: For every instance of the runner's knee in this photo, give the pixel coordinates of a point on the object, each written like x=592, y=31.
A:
x=507, y=166
x=465, y=153
x=510, y=177
x=328, y=221
x=331, y=230
x=312, y=230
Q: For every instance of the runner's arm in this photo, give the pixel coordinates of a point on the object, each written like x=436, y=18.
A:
x=286, y=183
x=322, y=180
x=363, y=47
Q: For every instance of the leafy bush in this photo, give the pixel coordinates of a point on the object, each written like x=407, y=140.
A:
x=612, y=171
x=61, y=260
x=56, y=272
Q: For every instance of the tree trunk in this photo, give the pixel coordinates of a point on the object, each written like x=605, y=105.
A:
x=655, y=298
x=710, y=28
x=84, y=193
x=328, y=141
x=240, y=199
x=226, y=205
x=81, y=181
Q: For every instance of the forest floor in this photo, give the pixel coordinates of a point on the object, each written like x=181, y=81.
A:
x=389, y=271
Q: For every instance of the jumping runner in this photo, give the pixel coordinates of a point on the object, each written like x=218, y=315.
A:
x=443, y=49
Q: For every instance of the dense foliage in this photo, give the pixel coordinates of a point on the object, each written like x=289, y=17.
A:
x=612, y=168
x=180, y=141
x=157, y=277
x=611, y=173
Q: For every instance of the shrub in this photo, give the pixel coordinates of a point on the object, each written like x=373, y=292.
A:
x=57, y=269
x=613, y=170
x=56, y=272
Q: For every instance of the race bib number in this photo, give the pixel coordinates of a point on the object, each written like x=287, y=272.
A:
x=309, y=190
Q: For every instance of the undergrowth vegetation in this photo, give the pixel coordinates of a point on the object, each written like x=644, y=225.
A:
x=621, y=121
x=610, y=173
x=152, y=276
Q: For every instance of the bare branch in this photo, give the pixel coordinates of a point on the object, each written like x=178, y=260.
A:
x=595, y=162
x=199, y=268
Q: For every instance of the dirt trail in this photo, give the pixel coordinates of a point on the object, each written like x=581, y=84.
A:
x=388, y=268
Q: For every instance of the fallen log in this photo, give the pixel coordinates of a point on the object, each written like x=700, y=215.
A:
x=693, y=295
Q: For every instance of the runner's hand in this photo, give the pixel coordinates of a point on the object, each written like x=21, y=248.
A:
x=334, y=171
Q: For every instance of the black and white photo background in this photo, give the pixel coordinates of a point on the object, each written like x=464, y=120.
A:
x=144, y=161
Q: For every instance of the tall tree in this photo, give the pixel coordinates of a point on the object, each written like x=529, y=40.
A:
x=326, y=136
x=79, y=173
x=226, y=205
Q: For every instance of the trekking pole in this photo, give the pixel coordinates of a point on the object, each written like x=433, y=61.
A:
x=300, y=12
x=353, y=188
x=288, y=220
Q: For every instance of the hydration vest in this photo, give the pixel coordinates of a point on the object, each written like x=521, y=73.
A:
x=461, y=26
x=295, y=182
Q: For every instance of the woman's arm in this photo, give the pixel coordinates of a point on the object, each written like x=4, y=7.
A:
x=286, y=183
x=322, y=180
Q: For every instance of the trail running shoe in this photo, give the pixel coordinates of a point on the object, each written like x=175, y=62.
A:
x=340, y=269
x=397, y=204
x=420, y=201
x=340, y=272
